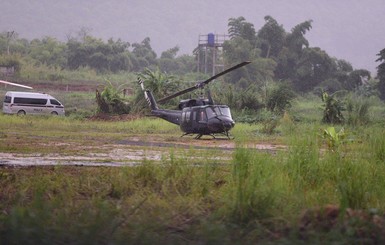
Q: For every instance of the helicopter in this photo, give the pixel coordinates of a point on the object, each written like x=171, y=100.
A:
x=195, y=116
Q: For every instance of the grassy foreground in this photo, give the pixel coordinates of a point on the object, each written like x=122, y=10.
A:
x=317, y=191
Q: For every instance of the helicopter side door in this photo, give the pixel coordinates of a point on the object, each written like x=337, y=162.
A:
x=186, y=120
x=201, y=121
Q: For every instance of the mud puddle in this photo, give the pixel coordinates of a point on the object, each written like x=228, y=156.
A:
x=134, y=151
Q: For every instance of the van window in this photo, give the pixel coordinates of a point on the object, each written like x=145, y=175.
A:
x=7, y=99
x=33, y=101
x=54, y=102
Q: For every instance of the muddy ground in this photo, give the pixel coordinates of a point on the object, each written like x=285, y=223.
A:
x=128, y=152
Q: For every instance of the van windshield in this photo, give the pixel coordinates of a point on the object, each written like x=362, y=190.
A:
x=54, y=102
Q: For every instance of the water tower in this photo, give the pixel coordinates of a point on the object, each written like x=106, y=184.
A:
x=209, y=53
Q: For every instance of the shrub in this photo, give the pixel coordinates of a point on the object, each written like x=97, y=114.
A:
x=280, y=98
x=333, y=108
x=358, y=110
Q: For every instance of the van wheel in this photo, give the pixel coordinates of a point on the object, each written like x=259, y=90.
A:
x=21, y=113
x=54, y=113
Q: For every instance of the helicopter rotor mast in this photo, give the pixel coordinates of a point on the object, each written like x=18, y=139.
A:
x=204, y=83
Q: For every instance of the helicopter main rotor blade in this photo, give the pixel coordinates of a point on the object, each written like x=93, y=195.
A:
x=202, y=84
x=15, y=84
x=226, y=71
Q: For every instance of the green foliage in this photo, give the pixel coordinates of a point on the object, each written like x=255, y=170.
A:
x=314, y=67
x=271, y=38
x=238, y=27
x=11, y=61
x=356, y=79
x=252, y=199
x=111, y=100
x=269, y=124
x=159, y=83
x=202, y=196
x=280, y=98
x=381, y=73
x=357, y=108
x=111, y=56
x=48, y=51
x=246, y=99
x=333, y=108
x=333, y=138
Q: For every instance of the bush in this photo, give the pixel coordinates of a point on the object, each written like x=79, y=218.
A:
x=280, y=98
x=333, y=109
x=358, y=110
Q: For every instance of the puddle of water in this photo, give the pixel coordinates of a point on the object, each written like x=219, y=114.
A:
x=123, y=154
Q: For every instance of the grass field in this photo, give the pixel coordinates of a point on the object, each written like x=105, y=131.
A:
x=313, y=190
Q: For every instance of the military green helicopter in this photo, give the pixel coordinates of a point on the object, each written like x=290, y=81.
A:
x=196, y=116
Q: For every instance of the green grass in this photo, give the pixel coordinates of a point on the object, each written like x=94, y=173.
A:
x=192, y=196
x=255, y=197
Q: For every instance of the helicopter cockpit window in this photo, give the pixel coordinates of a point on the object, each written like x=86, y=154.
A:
x=225, y=111
x=217, y=110
x=210, y=112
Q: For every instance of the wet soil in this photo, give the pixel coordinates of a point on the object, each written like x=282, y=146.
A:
x=132, y=151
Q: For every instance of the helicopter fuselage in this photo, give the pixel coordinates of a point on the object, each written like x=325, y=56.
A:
x=195, y=116
x=205, y=120
x=201, y=120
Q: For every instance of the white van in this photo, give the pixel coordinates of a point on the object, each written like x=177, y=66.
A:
x=22, y=103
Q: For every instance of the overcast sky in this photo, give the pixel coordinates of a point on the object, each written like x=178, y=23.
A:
x=353, y=30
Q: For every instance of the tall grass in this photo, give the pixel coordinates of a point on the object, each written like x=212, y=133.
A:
x=255, y=197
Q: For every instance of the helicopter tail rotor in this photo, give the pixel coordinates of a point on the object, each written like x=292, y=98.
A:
x=149, y=96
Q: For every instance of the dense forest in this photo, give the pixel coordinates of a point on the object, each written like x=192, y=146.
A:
x=285, y=57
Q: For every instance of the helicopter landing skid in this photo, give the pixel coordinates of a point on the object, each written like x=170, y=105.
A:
x=198, y=136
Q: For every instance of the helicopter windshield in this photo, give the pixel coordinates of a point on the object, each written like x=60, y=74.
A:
x=217, y=111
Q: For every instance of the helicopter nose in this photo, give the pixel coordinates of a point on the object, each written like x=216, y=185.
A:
x=228, y=125
x=220, y=124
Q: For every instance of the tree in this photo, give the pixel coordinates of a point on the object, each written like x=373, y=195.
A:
x=168, y=62
x=288, y=59
x=314, y=66
x=238, y=27
x=356, y=79
x=111, y=56
x=238, y=50
x=48, y=51
x=271, y=38
x=295, y=40
x=381, y=73
x=143, y=55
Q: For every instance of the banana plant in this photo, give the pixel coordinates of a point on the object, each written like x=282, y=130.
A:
x=333, y=138
x=110, y=99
